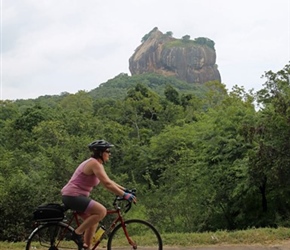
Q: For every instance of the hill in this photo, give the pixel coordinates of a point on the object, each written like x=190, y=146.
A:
x=118, y=86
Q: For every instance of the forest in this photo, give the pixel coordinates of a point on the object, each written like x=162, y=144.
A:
x=202, y=158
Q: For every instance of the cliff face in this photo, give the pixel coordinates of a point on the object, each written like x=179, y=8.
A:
x=186, y=60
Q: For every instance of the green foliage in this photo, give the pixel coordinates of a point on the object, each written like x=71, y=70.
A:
x=118, y=87
x=186, y=38
x=169, y=33
x=145, y=37
x=7, y=110
x=22, y=193
x=269, y=158
x=201, y=158
x=186, y=42
x=172, y=95
x=30, y=118
x=205, y=41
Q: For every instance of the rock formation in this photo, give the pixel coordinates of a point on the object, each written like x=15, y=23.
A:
x=192, y=61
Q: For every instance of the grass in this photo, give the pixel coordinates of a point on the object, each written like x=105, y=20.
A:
x=265, y=236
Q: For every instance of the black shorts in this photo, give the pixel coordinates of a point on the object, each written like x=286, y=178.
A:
x=77, y=203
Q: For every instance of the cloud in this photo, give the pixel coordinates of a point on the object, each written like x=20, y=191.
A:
x=51, y=46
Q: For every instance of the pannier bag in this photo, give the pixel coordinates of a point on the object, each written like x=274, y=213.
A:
x=49, y=212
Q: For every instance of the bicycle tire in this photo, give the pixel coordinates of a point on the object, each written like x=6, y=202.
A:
x=142, y=233
x=51, y=236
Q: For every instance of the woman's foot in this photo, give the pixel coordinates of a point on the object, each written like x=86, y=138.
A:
x=85, y=247
x=78, y=239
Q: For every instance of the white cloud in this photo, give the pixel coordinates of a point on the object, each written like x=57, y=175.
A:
x=51, y=46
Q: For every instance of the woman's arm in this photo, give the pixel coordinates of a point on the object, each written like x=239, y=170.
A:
x=99, y=171
x=119, y=186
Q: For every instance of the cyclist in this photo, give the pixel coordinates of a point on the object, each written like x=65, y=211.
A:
x=75, y=194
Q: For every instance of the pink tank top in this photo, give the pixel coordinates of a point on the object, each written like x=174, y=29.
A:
x=80, y=183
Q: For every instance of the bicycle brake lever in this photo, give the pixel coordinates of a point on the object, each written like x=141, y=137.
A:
x=128, y=206
x=133, y=191
x=117, y=198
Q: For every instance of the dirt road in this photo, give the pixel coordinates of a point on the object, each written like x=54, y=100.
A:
x=284, y=246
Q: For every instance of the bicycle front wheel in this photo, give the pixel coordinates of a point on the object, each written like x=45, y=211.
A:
x=135, y=234
x=51, y=236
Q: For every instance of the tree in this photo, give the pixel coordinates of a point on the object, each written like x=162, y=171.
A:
x=171, y=95
x=30, y=118
x=269, y=159
x=169, y=33
x=142, y=108
x=205, y=41
x=204, y=162
x=186, y=38
x=222, y=161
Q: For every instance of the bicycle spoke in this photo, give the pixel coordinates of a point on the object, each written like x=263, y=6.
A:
x=51, y=237
x=141, y=234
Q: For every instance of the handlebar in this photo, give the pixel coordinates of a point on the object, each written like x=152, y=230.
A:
x=120, y=198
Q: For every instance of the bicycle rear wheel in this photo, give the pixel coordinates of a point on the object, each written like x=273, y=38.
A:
x=51, y=236
x=140, y=235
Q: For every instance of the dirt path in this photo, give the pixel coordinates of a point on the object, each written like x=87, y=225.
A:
x=233, y=248
x=282, y=246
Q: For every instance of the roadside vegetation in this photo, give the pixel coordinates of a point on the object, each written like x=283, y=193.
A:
x=202, y=158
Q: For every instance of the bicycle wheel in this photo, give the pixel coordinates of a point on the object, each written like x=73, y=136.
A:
x=141, y=235
x=51, y=236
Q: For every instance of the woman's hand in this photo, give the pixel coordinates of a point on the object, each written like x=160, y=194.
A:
x=129, y=197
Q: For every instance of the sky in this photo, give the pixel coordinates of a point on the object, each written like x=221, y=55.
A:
x=54, y=46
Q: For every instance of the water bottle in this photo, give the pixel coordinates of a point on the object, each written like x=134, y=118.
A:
x=99, y=233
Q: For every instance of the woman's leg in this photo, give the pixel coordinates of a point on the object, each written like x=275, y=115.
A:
x=90, y=211
x=94, y=213
x=89, y=233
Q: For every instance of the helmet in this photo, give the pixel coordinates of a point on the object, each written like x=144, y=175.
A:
x=101, y=145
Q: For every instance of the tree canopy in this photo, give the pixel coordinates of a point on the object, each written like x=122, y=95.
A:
x=202, y=158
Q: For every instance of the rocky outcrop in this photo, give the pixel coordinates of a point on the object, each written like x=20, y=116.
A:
x=193, y=61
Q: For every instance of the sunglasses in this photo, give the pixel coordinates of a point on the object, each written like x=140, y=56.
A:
x=108, y=151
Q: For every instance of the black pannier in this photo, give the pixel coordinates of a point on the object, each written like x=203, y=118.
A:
x=49, y=212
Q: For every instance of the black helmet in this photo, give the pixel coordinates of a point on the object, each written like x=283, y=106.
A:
x=101, y=145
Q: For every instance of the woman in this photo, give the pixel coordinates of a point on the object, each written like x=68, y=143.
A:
x=75, y=194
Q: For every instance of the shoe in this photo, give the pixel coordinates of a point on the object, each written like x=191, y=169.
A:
x=78, y=239
x=85, y=247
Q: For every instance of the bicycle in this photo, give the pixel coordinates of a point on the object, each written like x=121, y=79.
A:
x=55, y=233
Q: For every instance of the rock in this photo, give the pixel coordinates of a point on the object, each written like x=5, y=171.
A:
x=193, y=61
